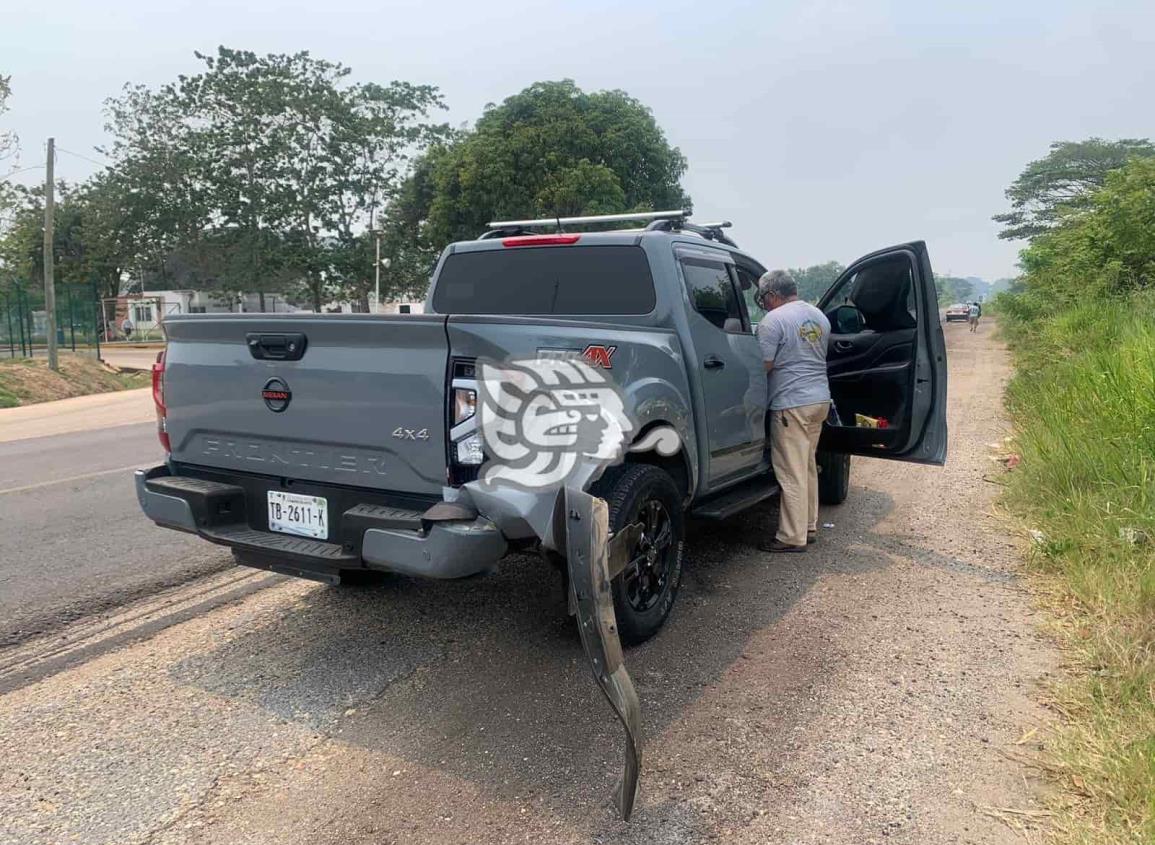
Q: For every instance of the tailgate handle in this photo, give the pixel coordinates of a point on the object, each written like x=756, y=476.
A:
x=276, y=347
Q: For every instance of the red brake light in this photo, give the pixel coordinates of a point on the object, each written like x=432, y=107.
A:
x=541, y=240
x=158, y=400
x=158, y=383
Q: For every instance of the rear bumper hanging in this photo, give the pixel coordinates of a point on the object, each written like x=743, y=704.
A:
x=586, y=521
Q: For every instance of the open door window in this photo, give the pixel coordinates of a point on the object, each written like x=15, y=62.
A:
x=887, y=359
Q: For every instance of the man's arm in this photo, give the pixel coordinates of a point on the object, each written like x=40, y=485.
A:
x=769, y=336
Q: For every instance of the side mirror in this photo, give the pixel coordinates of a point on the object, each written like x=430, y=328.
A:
x=846, y=319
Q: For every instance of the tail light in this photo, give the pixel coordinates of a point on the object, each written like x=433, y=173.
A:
x=158, y=400
x=465, y=447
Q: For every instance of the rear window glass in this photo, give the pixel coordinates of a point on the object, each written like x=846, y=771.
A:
x=572, y=280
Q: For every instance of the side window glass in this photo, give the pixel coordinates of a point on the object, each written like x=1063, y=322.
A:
x=878, y=297
x=748, y=284
x=712, y=294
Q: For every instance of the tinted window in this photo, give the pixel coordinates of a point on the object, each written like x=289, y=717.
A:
x=570, y=280
x=748, y=282
x=712, y=294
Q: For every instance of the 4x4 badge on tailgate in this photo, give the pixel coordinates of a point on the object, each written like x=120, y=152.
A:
x=276, y=395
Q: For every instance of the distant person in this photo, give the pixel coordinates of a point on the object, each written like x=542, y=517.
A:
x=127, y=328
x=973, y=315
x=793, y=337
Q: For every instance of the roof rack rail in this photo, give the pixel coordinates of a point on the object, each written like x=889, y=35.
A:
x=559, y=222
x=709, y=231
x=657, y=221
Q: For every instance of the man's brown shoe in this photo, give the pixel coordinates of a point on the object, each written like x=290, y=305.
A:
x=811, y=537
x=778, y=546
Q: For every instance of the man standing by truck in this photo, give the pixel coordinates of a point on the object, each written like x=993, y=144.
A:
x=793, y=336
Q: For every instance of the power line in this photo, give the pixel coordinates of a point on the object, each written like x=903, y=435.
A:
x=23, y=169
x=86, y=158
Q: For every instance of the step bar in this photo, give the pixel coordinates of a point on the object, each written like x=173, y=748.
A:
x=737, y=498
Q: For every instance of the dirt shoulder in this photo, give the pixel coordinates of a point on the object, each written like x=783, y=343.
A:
x=27, y=381
x=874, y=689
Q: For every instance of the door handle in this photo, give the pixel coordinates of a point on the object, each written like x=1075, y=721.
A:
x=843, y=345
x=713, y=362
x=276, y=347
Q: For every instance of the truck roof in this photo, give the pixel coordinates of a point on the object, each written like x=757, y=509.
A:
x=672, y=225
x=616, y=237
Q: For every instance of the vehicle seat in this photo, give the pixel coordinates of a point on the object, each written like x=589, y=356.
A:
x=881, y=292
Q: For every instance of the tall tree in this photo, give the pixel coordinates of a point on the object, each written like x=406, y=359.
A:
x=1062, y=182
x=552, y=149
x=273, y=165
x=8, y=147
x=22, y=244
x=815, y=280
x=1109, y=250
x=952, y=289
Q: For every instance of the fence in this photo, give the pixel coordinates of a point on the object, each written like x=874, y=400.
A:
x=24, y=320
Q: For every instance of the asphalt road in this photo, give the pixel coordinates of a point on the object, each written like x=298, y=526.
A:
x=72, y=538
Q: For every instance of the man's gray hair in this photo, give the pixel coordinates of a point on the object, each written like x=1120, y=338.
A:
x=777, y=282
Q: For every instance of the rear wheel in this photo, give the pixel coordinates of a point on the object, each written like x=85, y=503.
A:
x=645, y=590
x=833, y=477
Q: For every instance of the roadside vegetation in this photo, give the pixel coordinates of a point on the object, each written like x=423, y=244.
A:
x=26, y=381
x=1081, y=325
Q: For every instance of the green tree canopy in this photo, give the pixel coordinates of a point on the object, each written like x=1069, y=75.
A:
x=815, y=280
x=1062, y=182
x=268, y=167
x=22, y=244
x=952, y=289
x=552, y=149
x=8, y=146
x=1107, y=250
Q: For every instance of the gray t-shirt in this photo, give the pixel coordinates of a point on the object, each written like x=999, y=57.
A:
x=794, y=337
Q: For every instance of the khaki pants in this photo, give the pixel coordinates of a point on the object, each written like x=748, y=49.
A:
x=794, y=436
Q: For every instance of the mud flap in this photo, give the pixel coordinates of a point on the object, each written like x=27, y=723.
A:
x=586, y=521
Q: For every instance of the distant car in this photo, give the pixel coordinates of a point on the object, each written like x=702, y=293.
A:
x=958, y=311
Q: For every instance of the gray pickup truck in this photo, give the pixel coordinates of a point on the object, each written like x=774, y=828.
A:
x=324, y=445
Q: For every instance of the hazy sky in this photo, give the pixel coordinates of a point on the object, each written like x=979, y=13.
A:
x=823, y=129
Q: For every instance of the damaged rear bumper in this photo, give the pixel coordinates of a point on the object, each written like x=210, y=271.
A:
x=442, y=541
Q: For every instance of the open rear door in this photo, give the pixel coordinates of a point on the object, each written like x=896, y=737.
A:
x=887, y=358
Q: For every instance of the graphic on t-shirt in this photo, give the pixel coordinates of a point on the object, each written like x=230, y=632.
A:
x=811, y=332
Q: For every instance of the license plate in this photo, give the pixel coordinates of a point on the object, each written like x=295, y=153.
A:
x=292, y=513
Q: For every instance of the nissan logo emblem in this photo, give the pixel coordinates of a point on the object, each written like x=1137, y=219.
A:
x=276, y=395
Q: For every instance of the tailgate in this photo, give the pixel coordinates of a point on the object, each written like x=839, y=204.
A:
x=363, y=405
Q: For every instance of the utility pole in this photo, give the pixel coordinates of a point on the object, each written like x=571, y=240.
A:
x=49, y=267
x=377, y=271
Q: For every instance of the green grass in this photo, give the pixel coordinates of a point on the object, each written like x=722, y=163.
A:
x=25, y=381
x=1083, y=402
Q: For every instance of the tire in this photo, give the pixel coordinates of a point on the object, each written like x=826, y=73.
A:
x=644, y=592
x=833, y=478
